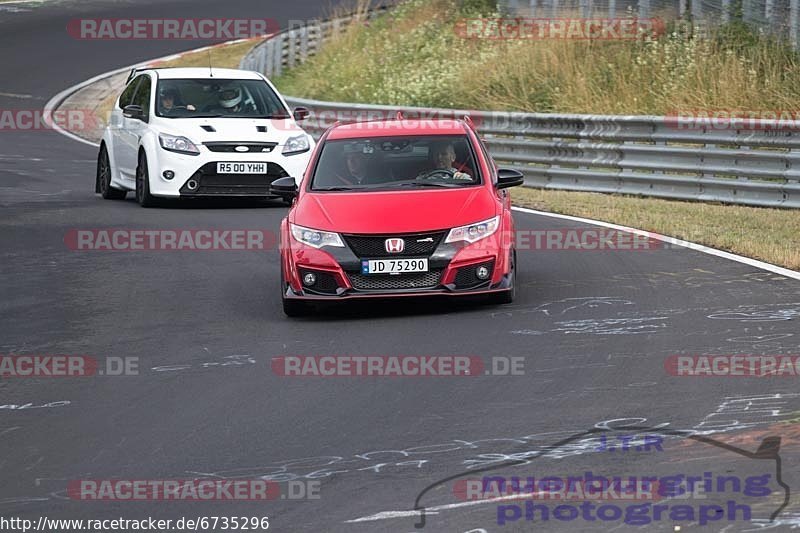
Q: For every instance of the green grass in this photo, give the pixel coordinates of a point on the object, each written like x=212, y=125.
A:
x=413, y=56
x=771, y=235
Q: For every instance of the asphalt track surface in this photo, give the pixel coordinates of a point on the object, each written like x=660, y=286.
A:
x=593, y=328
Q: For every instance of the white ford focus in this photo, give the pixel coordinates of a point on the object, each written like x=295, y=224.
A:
x=199, y=132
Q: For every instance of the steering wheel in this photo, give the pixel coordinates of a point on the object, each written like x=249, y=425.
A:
x=438, y=173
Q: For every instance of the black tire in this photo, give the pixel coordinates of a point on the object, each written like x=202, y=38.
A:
x=507, y=297
x=143, y=195
x=103, y=178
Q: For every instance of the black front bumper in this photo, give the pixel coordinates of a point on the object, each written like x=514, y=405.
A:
x=206, y=182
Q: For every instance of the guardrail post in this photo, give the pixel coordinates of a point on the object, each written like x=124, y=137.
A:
x=303, y=44
x=726, y=10
x=261, y=58
x=644, y=9
x=612, y=9
x=769, y=14
x=554, y=9
x=292, y=49
x=277, y=57
x=534, y=4
x=697, y=10
x=793, y=17
x=584, y=8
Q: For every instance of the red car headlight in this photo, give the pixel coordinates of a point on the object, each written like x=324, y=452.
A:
x=474, y=232
x=316, y=238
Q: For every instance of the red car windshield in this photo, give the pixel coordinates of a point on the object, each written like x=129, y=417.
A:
x=382, y=163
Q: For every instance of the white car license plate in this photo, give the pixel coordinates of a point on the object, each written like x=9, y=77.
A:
x=393, y=266
x=241, y=168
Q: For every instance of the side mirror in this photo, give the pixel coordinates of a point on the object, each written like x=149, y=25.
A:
x=284, y=187
x=300, y=113
x=133, y=111
x=507, y=177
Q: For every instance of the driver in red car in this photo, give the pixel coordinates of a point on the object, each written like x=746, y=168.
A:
x=355, y=171
x=443, y=158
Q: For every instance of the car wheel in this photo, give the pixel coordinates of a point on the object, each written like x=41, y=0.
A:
x=103, y=179
x=507, y=297
x=143, y=195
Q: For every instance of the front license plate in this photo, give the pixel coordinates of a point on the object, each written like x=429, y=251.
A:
x=241, y=168
x=393, y=266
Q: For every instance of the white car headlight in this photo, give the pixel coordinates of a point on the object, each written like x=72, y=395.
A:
x=316, y=238
x=296, y=145
x=181, y=145
x=474, y=232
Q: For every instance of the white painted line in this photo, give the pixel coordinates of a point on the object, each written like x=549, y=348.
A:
x=793, y=274
x=15, y=95
x=388, y=515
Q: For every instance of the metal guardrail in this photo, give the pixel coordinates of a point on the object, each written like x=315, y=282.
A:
x=780, y=18
x=639, y=155
x=291, y=47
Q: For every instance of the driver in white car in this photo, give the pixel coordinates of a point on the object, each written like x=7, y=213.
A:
x=443, y=158
x=170, y=101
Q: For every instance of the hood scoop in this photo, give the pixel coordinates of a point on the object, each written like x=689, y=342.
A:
x=261, y=129
x=209, y=129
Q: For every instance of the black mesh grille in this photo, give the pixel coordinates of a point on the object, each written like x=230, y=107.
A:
x=466, y=278
x=420, y=280
x=416, y=244
x=230, y=147
x=326, y=282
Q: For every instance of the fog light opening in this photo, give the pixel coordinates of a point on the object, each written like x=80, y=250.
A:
x=192, y=184
x=309, y=279
x=482, y=272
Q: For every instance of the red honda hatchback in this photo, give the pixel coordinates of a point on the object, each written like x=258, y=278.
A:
x=397, y=208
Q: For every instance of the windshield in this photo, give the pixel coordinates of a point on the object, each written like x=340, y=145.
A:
x=396, y=163
x=196, y=98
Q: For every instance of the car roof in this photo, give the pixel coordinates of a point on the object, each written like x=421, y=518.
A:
x=395, y=128
x=205, y=73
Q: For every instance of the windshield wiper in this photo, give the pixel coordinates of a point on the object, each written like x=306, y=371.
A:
x=427, y=184
x=204, y=116
x=336, y=188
